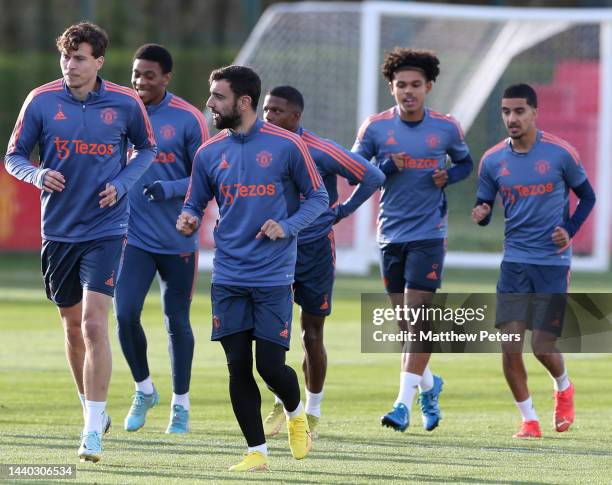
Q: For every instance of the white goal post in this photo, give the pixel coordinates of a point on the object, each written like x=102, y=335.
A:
x=332, y=52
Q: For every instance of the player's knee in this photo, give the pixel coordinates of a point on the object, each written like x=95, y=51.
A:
x=178, y=325
x=127, y=315
x=239, y=366
x=94, y=329
x=73, y=332
x=270, y=370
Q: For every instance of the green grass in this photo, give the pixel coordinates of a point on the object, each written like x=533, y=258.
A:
x=40, y=413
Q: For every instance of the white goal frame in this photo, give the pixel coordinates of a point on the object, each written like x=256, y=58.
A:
x=363, y=254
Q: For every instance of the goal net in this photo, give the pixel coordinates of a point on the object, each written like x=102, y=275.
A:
x=332, y=53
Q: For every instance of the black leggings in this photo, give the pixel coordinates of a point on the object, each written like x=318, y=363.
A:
x=244, y=393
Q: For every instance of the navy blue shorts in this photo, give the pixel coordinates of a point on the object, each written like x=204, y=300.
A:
x=264, y=311
x=70, y=268
x=532, y=293
x=417, y=265
x=314, y=275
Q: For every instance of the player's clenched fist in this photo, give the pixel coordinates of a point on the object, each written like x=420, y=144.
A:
x=440, y=178
x=560, y=237
x=272, y=230
x=186, y=224
x=480, y=212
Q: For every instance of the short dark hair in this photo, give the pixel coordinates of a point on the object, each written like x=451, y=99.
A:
x=290, y=94
x=155, y=53
x=400, y=59
x=522, y=90
x=87, y=32
x=243, y=81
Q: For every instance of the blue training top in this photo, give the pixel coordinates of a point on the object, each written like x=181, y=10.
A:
x=180, y=129
x=87, y=142
x=332, y=161
x=254, y=177
x=412, y=208
x=534, y=188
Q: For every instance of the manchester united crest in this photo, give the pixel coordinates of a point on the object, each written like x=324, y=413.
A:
x=167, y=131
x=432, y=140
x=108, y=115
x=542, y=167
x=264, y=158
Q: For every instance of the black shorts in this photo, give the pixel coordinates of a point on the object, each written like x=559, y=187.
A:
x=314, y=275
x=70, y=268
x=416, y=265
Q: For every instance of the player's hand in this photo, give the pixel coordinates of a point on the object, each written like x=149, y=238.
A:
x=560, y=237
x=154, y=192
x=186, y=223
x=108, y=197
x=440, y=178
x=272, y=230
x=53, y=182
x=480, y=212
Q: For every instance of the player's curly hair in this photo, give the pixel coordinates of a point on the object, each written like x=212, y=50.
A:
x=87, y=32
x=401, y=58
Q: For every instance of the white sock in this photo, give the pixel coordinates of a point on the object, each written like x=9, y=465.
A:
x=562, y=382
x=408, y=388
x=82, y=398
x=277, y=400
x=181, y=400
x=263, y=449
x=313, y=403
x=527, y=410
x=296, y=412
x=94, y=417
x=145, y=386
x=427, y=382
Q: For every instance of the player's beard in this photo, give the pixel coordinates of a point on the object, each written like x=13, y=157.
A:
x=231, y=120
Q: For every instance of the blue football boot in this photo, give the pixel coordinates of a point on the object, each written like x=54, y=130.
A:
x=429, y=405
x=398, y=418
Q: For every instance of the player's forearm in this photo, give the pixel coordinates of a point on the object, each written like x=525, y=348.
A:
x=460, y=170
x=372, y=180
x=312, y=207
x=23, y=169
x=176, y=188
x=139, y=163
x=586, y=202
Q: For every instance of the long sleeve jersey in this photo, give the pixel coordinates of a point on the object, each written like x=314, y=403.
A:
x=534, y=189
x=332, y=161
x=180, y=129
x=412, y=208
x=254, y=177
x=87, y=142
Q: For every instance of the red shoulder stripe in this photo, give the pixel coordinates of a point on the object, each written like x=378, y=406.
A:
x=387, y=114
x=449, y=118
x=313, y=173
x=218, y=137
x=343, y=159
x=310, y=165
x=115, y=88
x=555, y=140
x=491, y=151
x=179, y=103
x=46, y=88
